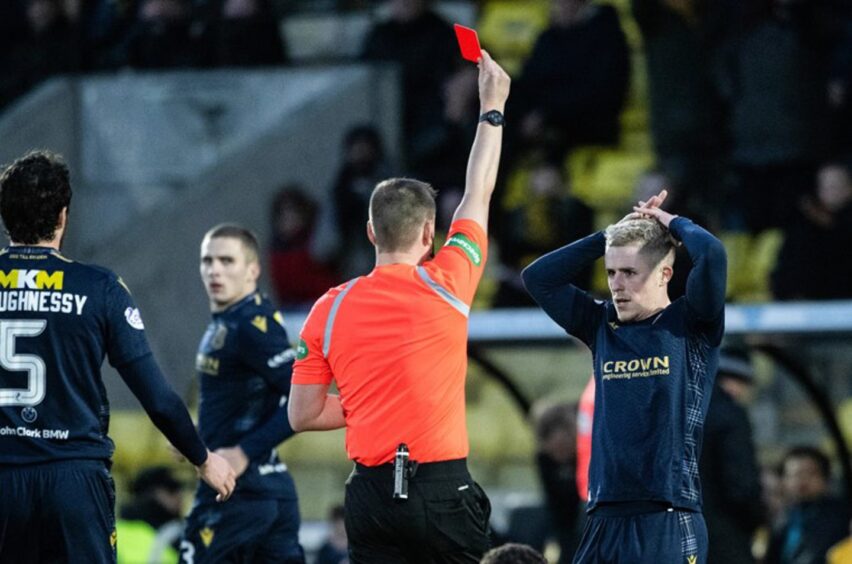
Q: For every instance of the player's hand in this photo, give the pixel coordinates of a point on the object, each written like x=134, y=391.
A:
x=654, y=201
x=493, y=84
x=236, y=457
x=219, y=475
x=664, y=217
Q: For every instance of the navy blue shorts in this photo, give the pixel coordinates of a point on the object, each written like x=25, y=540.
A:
x=57, y=512
x=243, y=530
x=669, y=536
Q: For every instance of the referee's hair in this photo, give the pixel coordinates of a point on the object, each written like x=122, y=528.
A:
x=398, y=209
x=656, y=243
x=33, y=191
x=513, y=553
x=243, y=235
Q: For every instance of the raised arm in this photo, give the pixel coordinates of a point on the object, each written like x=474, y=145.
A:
x=550, y=281
x=706, y=284
x=485, y=154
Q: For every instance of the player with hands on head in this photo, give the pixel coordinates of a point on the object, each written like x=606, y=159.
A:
x=654, y=363
x=395, y=343
x=59, y=319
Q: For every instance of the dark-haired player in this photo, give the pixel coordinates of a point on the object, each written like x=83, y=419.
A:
x=654, y=365
x=244, y=363
x=58, y=320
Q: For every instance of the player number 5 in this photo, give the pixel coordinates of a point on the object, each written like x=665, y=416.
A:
x=33, y=365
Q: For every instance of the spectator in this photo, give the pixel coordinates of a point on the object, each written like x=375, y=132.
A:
x=164, y=36
x=814, y=261
x=815, y=520
x=150, y=525
x=575, y=81
x=424, y=46
x=730, y=477
x=244, y=33
x=538, y=213
x=513, y=553
x=680, y=38
x=774, y=74
x=363, y=167
x=298, y=279
x=45, y=47
x=556, y=458
x=335, y=550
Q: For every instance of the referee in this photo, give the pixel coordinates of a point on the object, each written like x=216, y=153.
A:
x=395, y=343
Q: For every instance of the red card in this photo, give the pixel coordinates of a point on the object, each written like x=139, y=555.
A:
x=468, y=43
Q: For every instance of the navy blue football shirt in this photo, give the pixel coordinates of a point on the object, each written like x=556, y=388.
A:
x=653, y=377
x=59, y=319
x=245, y=362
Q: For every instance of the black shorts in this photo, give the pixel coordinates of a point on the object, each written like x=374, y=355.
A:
x=444, y=519
x=243, y=530
x=57, y=512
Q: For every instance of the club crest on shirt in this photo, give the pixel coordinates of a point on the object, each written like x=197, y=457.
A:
x=692, y=559
x=218, y=340
x=134, y=318
x=206, y=535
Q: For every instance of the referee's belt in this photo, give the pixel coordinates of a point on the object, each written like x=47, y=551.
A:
x=422, y=471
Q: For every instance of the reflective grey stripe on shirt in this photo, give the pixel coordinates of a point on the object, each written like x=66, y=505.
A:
x=459, y=305
x=329, y=323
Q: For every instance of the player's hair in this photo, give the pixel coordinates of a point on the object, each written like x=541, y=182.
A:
x=243, y=235
x=398, y=209
x=33, y=191
x=513, y=553
x=654, y=240
x=804, y=451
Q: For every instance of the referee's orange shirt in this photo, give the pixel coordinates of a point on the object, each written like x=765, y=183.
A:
x=395, y=342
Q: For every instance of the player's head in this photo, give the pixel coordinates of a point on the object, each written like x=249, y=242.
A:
x=402, y=216
x=639, y=265
x=805, y=474
x=35, y=193
x=230, y=264
x=513, y=553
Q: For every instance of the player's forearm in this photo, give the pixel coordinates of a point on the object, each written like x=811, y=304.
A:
x=164, y=407
x=312, y=409
x=273, y=432
x=481, y=177
x=563, y=266
x=706, y=285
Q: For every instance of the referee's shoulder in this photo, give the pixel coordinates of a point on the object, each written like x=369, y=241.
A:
x=325, y=302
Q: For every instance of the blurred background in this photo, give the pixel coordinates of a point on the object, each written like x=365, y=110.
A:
x=175, y=115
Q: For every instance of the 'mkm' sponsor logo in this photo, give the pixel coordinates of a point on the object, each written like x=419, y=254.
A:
x=32, y=279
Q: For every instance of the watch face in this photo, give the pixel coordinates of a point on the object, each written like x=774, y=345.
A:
x=493, y=117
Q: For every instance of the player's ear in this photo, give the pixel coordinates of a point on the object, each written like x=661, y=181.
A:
x=666, y=273
x=371, y=235
x=254, y=269
x=428, y=234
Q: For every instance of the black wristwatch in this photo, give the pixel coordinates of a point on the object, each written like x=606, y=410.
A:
x=494, y=117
